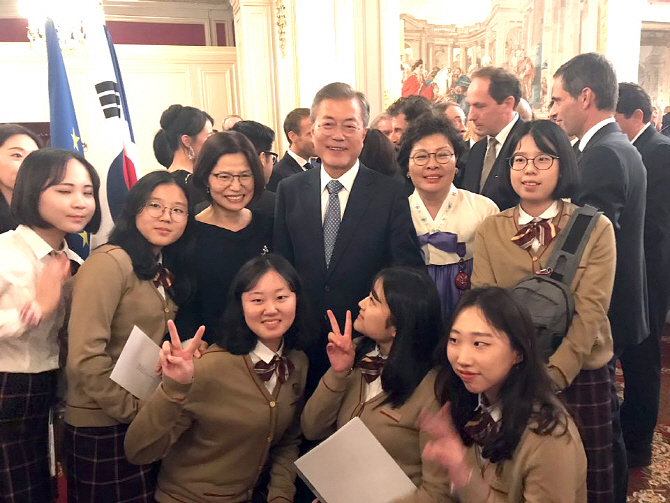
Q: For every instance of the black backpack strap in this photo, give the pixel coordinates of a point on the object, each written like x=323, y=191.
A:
x=570, y=244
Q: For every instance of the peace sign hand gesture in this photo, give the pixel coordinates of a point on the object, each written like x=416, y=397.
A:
x=177, y=362
x=340, y=349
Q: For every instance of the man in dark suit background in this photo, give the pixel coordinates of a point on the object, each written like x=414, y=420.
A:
x=298, y=130
x=639, y=412
x=262, y=138
x=613, y=179
x=493, y=96
x=340, y=224
x=403, y=112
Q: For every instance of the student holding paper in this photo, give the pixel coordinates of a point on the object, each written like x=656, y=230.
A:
x=385, y=378
x=56, y=193
x=502, y=434
x=122, y=284
x=227, y=426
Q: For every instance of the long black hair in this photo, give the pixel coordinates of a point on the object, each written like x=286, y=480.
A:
x=416, y=315
x=233, y=332
x=526, y=396
x=178, y=256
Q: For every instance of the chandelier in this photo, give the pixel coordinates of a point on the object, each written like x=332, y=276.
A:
x=70, y=18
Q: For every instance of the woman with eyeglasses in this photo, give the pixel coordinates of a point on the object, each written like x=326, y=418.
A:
x=518, y=242
x=227, y=232
x=445, y=218
x=123, y=284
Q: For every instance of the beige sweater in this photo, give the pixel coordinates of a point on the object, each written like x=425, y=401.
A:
x=544, y=469
x=108, y=301
x=214, y=436
x=500, y=262
x=338, y=400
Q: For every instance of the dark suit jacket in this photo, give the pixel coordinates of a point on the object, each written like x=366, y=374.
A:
x=286, y=167
x=614, y=180
x=494, y=188
x=376, y=232
x=655, y=150
x=264, y=204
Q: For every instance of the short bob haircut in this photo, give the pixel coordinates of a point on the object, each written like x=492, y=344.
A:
x=551, y=139
x=9, y=130
x=526, y=396
x=177, y=121
x=178, y=256
x=220, y=144
x=428, y=125
x=233, y=333
x=417, y=317
x=40, y=170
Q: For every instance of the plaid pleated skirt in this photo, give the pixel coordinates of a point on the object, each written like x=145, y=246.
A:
x=98, y=470
x=25, y=401
x=588, y=400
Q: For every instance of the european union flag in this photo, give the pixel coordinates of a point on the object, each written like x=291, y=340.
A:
x=64, y=128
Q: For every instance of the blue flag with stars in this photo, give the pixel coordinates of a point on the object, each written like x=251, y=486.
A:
x=64, y=128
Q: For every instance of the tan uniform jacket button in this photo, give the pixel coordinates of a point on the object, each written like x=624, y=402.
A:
x=167, y=309
x=272, y=404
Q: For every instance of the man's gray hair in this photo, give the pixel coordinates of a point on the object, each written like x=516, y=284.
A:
x=340, y=91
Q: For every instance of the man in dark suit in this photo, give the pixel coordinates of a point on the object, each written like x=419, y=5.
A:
x=298, y=130
x=614, y=180
x=340, y=224
x=493, y=96
x=639, y=411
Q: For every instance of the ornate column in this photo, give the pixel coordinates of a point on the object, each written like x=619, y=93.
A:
x=265, y=37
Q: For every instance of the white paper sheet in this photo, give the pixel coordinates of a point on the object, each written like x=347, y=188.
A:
x=135, y=370
x=352, y=466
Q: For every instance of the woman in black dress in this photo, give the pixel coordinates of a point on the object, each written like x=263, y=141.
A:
x=228, y=234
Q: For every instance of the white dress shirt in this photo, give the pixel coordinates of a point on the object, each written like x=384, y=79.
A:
x=22, y=350
x=525, y=218
x=262, y=352
x=639, y=133
x=298, y=159
x=347, y=180
x=584, y=140
x=501, y=137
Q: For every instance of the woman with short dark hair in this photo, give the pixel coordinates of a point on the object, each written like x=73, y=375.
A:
x=122, y=285
x=228, y=233
x=518, y=242
x=56, y=193
x=226, y=426
x=445, y=218
x=16, y=142
x=386, y=377
x=502, y=434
